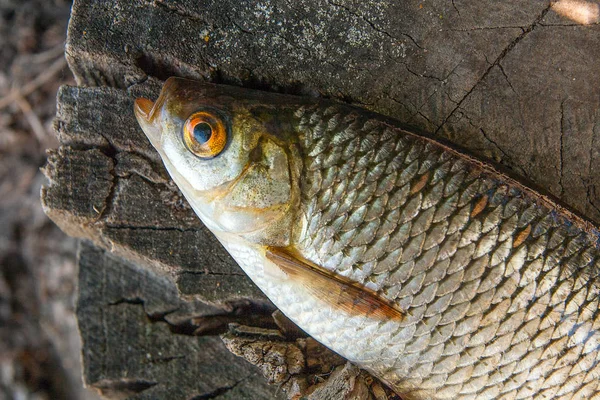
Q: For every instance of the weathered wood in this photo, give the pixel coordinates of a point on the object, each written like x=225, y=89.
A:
x=138, y=343
x=511, y=81
x=303, y=368
x=107, y=184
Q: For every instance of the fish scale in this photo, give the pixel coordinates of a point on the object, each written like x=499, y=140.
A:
x=481, y=289
x=438, y=274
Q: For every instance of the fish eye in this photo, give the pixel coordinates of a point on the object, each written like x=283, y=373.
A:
x=205, y=134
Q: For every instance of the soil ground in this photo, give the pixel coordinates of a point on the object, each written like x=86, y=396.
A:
x=39, y=342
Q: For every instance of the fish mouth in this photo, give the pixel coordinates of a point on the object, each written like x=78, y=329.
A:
x=143, y=107
x=146, y=111
x=146, y=108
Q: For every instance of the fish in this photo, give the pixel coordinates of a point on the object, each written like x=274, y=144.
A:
x=437, y=272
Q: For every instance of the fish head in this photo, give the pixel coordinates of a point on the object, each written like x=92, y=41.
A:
x=231, y=152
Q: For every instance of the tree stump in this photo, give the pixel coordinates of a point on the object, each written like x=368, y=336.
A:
x=514, y=82
x=138, y=337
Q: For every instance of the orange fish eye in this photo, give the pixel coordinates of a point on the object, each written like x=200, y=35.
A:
x=205, y=134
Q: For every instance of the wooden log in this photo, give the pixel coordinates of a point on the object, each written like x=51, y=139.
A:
x=107, y=184
x=510, y=81
x=137, y=340
x=303, y=368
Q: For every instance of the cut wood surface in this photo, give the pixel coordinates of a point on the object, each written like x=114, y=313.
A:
x=137, y=341
x=514, y=82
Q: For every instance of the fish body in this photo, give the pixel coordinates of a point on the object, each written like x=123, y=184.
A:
x=440, y=275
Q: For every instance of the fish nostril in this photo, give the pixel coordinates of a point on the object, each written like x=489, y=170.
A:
x=256, y=155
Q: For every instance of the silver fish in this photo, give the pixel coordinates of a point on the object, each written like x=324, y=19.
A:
x=435, y=272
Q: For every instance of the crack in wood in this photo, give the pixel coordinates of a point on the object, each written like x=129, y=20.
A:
x=373, y=26
x=498, y=59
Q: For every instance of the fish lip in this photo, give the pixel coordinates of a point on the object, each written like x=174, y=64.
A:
x=141, y=110
x=147, y=111
x=146, y=108
x=143, y=107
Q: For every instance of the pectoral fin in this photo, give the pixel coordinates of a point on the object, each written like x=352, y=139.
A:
x=340, y=292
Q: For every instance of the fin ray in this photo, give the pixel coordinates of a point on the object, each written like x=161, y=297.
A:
x=339, y=291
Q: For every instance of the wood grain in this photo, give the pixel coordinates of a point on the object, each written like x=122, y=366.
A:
x=514, y=82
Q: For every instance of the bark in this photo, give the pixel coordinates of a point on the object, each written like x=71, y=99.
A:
x=140, y=339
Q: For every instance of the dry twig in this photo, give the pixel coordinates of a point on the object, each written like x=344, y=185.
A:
x=30, y=87
x=45, y=55
x=32, y=119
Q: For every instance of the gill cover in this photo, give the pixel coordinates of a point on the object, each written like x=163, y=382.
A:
x=238, y=174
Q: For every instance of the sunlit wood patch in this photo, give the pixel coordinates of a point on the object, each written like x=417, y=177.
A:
x=582, y=12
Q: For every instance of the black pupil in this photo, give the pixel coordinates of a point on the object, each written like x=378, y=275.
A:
x=202, y=132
